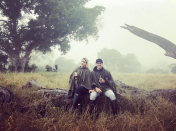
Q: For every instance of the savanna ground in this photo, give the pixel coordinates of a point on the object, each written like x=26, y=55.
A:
x=159, y=115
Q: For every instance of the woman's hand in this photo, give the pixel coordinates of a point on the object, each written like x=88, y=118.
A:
x=98, y=90
x=90, y=91
x=101, y=80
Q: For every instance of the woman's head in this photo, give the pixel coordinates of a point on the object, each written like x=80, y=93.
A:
x=85, y=63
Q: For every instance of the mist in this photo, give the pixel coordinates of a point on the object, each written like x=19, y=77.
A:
x=155, y=16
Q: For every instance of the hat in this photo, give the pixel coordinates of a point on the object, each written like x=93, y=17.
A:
x=99, y=60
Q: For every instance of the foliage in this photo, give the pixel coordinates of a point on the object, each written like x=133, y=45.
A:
x=3, y=62
x=48, y=68
x=40, y=24
x=65, y=64
x=114, y=60
x=56, y=67
x=29, y=68
x=173, y=68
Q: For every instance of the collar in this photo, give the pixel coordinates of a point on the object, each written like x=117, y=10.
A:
x=95, y=69
x=82, y=67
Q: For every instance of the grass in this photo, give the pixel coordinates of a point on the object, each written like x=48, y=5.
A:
x=159, y=115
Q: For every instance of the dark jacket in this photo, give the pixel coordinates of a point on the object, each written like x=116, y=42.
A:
x=106, y=75
x=83, y=79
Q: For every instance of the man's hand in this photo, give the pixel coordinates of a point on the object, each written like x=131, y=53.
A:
x=98, y=90
x=90, y=91
x=101, y=80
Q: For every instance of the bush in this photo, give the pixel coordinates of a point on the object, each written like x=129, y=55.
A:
x=48, y=68
x=173, y=68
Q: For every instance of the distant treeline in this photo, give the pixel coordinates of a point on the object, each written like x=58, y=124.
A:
x=112, y=59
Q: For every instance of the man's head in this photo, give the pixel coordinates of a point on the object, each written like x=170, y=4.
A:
x=99, y=63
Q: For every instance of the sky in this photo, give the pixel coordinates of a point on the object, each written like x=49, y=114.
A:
x=155, y=16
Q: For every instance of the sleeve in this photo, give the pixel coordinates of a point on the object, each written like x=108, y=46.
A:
x=71, y=85
x=111, y=83
x=92, y=81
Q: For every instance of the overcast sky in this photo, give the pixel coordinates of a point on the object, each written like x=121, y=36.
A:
x=155, y=16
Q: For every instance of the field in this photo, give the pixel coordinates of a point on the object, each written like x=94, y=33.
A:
x=158, y=116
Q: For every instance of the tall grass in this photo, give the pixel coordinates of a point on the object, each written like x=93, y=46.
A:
x=158, y=115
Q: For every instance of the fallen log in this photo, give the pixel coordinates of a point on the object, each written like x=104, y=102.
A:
x=129, y=98
x=7, y=97
x=165, y=44
x=126, y=94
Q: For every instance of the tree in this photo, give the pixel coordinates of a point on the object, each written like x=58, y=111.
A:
x=65, y=64
x=28, y=25
x=167, y=45
x=29, y=68
x=56, y=67
x=111, y=57
x=3, y=61
x=173, y=68
x=114, y=60
x=129, y=63
x=48, y=68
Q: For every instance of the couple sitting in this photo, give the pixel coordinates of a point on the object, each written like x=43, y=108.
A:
x=97, y=82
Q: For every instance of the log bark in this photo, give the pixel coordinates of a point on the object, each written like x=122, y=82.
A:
x=124, y=91
x=167, y=45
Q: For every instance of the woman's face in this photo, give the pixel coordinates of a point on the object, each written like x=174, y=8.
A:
x=83, y=63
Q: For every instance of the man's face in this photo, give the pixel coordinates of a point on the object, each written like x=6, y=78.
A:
x=99, y=65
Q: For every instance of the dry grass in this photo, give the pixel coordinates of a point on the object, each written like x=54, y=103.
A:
x=147, y=81
x=159, y=115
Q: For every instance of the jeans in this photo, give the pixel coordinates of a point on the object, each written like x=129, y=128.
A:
x=81, y=91
x=108, y=93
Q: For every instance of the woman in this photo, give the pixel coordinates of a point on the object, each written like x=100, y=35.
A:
x=80, y=84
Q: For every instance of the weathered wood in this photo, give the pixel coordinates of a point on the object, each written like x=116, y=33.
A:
x=32, y=83
x=6, y=95
x=167, y=45
x=124, y=90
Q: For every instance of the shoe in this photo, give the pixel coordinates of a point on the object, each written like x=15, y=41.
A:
x=79, y=108
x=91, y=107
x=114, y=106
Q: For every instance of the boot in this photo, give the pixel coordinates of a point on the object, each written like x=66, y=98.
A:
x=114, y=107
x=75, y=101
x=79, y=108
x=92, y=104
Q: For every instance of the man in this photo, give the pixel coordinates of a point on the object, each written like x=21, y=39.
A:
x=103, y=83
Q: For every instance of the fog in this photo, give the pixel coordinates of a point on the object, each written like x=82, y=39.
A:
x=155, y=16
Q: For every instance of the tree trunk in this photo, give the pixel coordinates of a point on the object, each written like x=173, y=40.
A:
x=167, y=45
x=22, y=63
x=18, y=64
x=14, y=61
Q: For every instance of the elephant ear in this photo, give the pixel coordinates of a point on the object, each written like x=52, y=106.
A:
x=167, y=45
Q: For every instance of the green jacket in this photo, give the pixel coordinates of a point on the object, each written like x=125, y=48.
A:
x=106, y=75
x=83, y=79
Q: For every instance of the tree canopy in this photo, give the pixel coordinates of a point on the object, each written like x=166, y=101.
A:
x=28, y=25
x=114, y=60
x=65, y=64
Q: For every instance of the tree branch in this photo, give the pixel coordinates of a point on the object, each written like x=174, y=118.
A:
x=167, y=45
x=4, y=21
